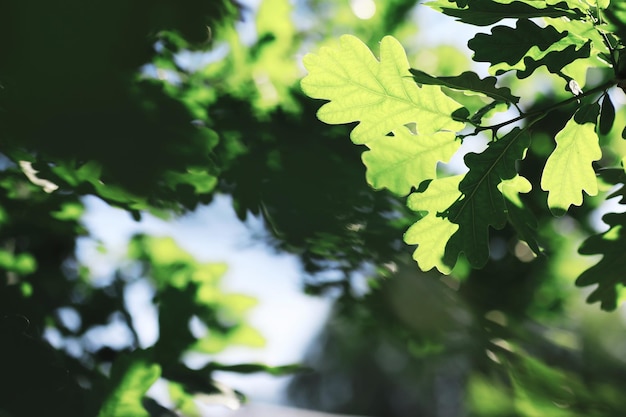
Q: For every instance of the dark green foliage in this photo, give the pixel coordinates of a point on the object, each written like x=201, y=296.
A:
x=608, y=273
x=482, y=204
x=72, y=94
x=607, y=115
x=510, y=45
x=555, y=60
x=468, y=81
x=486, y=12
x=587, y=113
x=31, y=367
x=313, y=220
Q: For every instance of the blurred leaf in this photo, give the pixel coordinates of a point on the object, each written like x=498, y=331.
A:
x=540, y=389
x=201, y=181
x=183, y=401
x=250, y=368
x=274, y=70
x=236, y=306
x=131, y=377
x=488, y=398
x=246, y=335
x=69, y=211
x=21, y=263
x=240, y=335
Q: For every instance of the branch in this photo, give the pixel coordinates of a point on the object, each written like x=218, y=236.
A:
x=540, y=114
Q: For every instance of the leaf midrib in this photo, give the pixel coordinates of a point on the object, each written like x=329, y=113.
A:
x=385, y=96
x=475, y=188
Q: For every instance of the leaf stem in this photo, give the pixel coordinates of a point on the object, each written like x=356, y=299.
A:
x=540, y=114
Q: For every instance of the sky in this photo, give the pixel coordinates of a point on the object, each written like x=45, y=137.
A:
x=285, y=316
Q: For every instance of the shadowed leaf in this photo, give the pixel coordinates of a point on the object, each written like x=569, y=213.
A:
x=510, y=45
x=555, y=61
x=488, y=12
x=607, y=115
x=468, y=81
x=482, y=203
x=608, y=273
x=518, y=215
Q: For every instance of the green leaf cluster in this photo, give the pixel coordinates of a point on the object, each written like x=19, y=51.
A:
x=411, y=125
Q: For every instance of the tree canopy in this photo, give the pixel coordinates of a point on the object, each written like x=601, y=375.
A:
x=491, y=181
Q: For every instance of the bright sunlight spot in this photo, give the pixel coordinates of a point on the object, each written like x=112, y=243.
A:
x=363, y=9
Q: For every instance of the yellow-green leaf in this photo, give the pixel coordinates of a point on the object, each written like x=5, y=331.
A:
x=432, y=232
x=381, y=95
x=404, y=160
x=569, y=171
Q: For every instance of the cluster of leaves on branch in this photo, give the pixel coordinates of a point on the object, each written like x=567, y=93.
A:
x=412, y=122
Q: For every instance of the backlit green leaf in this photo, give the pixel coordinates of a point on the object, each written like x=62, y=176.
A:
x=584, y=30
x=183, y=400
x=569, y=171
x=379, y=94
x=131, y=377
x=404, y=160
x=431, y=232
